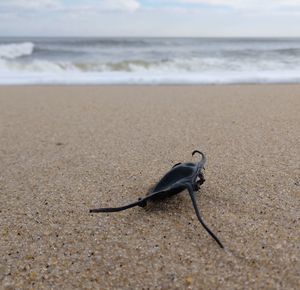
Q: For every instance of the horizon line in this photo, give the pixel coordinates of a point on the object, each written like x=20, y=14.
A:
x=143, y=36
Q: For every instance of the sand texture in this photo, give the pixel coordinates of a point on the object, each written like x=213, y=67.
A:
x=64, y=150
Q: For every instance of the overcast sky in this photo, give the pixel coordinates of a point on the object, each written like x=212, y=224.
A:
x=150, y=18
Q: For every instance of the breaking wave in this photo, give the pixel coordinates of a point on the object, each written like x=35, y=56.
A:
x=15, y=50
x=143, y=61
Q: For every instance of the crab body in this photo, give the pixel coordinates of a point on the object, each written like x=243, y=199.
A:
x=174, y=181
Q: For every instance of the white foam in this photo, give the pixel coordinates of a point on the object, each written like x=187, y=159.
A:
x=144, y=78
x=15, y=50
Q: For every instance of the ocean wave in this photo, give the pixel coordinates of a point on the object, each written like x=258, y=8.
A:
x=38, y=66
x=179, y=65
x=84, y=60
x=40, y=51
x=176, y=65
x=16, y=50
x=192, y=65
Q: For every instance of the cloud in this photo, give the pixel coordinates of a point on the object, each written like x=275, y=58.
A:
x=105, y=5
x=130, y=5
x=210, y=2
x=246, y=5
x=30, y=4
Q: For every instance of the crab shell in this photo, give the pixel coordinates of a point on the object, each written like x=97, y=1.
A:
x=177, y=178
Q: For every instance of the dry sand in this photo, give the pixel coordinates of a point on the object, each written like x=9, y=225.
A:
x=67, y=149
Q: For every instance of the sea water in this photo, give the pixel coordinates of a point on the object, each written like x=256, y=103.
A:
x=149, y=60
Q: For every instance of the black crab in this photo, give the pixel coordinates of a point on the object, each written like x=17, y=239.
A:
x=180, y=177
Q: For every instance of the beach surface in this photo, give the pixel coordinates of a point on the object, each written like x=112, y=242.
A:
x=66, y=149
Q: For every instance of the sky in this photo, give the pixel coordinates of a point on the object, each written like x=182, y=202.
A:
x=172, y=18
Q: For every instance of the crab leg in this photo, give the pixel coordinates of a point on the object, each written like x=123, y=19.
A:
x=141, y=202
x=115, y=209
x=203, y=159
x=192, y=195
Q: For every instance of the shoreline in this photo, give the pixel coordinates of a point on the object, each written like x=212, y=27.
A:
x=153, y=85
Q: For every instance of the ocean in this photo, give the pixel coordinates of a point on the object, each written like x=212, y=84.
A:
x=149, y=60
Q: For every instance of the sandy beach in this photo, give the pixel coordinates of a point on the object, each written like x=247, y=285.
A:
x=66, y=149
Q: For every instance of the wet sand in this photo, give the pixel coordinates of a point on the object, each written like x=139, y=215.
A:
x=67, y=149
